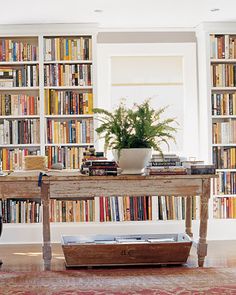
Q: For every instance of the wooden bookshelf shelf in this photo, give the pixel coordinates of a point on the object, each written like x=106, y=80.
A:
x=223, y=106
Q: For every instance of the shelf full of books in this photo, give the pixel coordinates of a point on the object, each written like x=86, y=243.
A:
x=19, y=100
x=46, y=99
x=223, y=110
x=109, y=209
x=68, y=99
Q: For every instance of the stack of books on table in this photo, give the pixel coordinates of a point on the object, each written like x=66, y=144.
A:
x=95, y=164
x=169, y=164
x=99, y=168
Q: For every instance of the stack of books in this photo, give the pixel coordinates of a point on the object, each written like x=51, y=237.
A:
x=99, y=167
x=169, y=164
x=95, y=164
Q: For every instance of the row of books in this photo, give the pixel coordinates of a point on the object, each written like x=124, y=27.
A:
x=225, y=184
x=224, y=207
x=13, y=159
x=68, y=75
x=223, y=46
x=20, y=76
x=68, y=102
x=224, y=132
x=224, y=157
x=72, y=211
x=30, y=211
x=174, y=208
x=67, y=48
x=70, y=131
x=20, y=131
x=21, y=211
x=14, y=50
x=125, y=208
x=223, y=104
x=111, y=209
x=70, y=157
x=19, y=104
x=223, y=75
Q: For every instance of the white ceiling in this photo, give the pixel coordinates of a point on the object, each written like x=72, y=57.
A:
x=119, y=13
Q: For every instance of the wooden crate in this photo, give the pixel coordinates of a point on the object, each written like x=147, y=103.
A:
x=95, y=250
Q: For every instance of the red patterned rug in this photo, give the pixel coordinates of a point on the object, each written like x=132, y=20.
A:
x=121, y=281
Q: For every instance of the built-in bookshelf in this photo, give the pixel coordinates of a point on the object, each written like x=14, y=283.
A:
x=68, y=97
x=19, y=100
x=223, y=111
x=46, y=98
x=47, y=90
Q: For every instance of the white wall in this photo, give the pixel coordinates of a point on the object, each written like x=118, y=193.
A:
x=185, y=89
x=159, y=78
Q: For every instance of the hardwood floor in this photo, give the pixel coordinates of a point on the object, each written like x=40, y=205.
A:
x=29, y=257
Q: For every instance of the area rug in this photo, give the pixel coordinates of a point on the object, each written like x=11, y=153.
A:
x=121, y=281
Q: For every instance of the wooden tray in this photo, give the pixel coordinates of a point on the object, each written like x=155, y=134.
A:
x=96, y=250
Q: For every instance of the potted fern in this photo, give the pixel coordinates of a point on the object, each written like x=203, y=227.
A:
x=133, y=133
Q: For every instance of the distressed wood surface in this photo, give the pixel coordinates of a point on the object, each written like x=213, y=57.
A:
x=188, y=218
x=47, y=251
x=121, y=187
x=159, y=253
x=19, y=189
x=202, y=244
x=70, y=176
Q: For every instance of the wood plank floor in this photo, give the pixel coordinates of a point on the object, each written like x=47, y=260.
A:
x=29, y=257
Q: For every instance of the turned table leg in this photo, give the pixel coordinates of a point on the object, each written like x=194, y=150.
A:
x=47, y=251
x=202, y=244
x=188, y=218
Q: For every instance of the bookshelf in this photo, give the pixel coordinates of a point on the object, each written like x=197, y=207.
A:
x=46, y=98
x=223, y=102
x=19, y=100
x=217, y=101
x=47, y=84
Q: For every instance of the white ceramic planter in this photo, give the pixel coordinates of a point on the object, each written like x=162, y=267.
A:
x=133, y=161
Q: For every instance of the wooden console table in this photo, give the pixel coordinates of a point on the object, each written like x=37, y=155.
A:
x=78, y=186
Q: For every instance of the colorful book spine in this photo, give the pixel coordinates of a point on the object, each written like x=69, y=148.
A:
x=174, y=208
x=72, y=211
x=21, y=211
x=223, y=46
x=13, y=159
x=224, y=207
x=19, y=76
x=225, y=183
x=20, y=131
x=67, y=75
x=124, y=208
x=67, y=48
x=19, y=105
x=68, y=102
x=14, y=50
x=70, y=131
x=70, y=157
